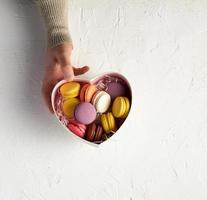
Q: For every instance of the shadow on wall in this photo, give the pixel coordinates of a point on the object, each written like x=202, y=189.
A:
x=30, y=39
x=26, y=51
x=29, y=53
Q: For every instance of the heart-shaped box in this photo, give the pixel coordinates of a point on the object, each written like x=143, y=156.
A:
x=100, y=80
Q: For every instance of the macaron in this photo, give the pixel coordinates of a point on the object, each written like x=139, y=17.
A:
x=108, y=122
x=115, y=89
x=77, y=128
x=121, y=107
x=102, y=101
x=70, y=89
x=85, y=113
x=99, y=132
x=87, y=92
x=94, y=132
x=69, y=106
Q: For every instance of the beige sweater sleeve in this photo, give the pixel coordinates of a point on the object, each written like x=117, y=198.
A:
x=55, y=14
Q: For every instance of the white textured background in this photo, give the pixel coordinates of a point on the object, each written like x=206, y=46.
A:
x=159, y=154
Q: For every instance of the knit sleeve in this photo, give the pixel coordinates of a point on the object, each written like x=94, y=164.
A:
x=55, y=14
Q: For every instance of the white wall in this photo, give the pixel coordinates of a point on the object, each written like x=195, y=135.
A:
x=159, y=154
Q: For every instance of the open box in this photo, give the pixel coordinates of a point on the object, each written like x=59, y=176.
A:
x=101, y=82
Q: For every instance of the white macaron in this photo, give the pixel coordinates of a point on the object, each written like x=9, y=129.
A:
x=101, y=100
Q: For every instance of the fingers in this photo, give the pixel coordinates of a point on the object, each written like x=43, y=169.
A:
x=46, y=93
x=68, y=73
x=79, y=71
x=52, y=77
x=66, y=66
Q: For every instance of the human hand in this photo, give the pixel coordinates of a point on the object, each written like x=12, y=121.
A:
x=58, y=66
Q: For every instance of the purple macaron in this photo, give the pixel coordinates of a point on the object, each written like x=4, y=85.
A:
x=115, y=89
x=85, y=113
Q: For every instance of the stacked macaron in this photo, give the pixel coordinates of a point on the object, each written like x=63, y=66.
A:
x=93, y=113
x=70, y=92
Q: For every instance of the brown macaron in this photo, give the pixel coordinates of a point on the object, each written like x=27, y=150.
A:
x=91, y=132
x=99, y=132
x=94, y=132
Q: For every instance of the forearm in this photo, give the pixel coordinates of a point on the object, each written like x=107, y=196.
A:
x=55, y=14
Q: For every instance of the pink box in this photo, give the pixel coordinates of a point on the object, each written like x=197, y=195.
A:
x=100, y=82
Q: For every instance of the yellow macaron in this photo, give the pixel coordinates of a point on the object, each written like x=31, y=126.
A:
x=70, y=90
x=69, y=106
x=121, y=107
x=108, y=122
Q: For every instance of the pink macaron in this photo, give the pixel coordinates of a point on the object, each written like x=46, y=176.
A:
x=77, y=128
x=115, y=89
x=85, y=113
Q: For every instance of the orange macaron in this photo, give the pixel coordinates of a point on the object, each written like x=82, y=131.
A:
x=87, y=92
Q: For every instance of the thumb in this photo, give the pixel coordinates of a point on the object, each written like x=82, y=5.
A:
x=79, y=71
x=66, y=67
